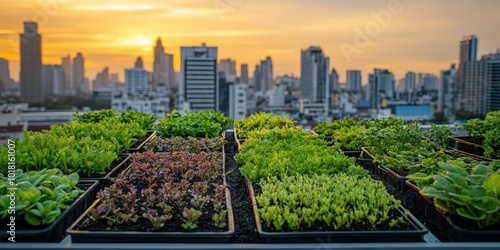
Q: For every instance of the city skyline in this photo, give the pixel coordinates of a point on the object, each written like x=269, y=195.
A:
x=400, y=35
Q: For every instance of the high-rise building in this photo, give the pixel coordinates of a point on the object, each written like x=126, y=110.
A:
x=163, y=68
x=277, y=97
x=410, y=83
x=314, y=77
x=4, y=76
x=78, y=73
x=468, y=49
x=198, y=83
x=380, y=87
x=53, y=79
x=447, y=100
x=31, y=64
x=101, y=79
x=257, y=76
x=66, y=63
x=237, y=101
x=266, y=75
x=334, y=82
x=481, y=93
x=244, y=74
x=136, y=80
x=353, y=81
x=228, y=68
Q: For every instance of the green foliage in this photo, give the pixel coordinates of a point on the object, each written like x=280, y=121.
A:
x=473, y=194
x=340, y=201
x=209, y=124
x=261, y=121
x=487, y=131
x=40, y=196
x=286, y=152
x=439, y=135
x=84, y=155
x=144, y=120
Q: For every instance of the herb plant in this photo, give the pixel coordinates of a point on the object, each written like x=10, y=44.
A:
x=486, y=131
x=339, y=202
x=209, y=124
x=261, y=121
x=40, y=196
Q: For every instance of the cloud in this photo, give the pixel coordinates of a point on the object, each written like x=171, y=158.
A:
x=187, y=12
x=119, y=7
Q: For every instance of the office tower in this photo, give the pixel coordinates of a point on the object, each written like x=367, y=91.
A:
x=170, y=73
x=228, y=68
x=244, y=74
x=79, y=73
x=266, y=74
x=4, y=76
x=31, y=64
x=353, y=80
x=198, y=83
x=334, y=82
x=257, y=82
x=380, y=87
x=447, y=100
x=277, y=97
x=224, y=91
x=237, y=101
x=481, y=85
x=468, y=49
x=101, y=79
x=66, y=64
x=53, y=79
x=411, y=87
x=314, y=77
x=163, y=68
x=114, y=78
x=136, y=80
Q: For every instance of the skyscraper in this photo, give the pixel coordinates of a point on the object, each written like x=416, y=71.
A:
x=244, y=74
x=4, y=75
x=136, y=80
x=31, y=64
x=353, y=80
x=78, y=73
x=198, y=83
x=468, y=49
x=163, y=68
x=257, y=82
x=447, y=101
x=380, y=87
x=314, y=77
x=334, y=82
x=266, y=74
x=66, y=64
x=411, y=87
x=228, y=68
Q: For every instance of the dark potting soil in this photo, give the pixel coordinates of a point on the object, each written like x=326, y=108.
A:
x=244, y=223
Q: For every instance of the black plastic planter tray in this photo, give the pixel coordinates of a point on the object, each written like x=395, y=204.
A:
x=104, y=181
x=352, y=153
x=420, y=203
x=150, y=135
x=416, y=234
x=56, y=231
x=393, y=178
x=366, y=161
x=466, y=144
x=460, y=153
x=80, y=236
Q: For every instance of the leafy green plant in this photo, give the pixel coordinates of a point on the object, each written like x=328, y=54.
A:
x=340, y=202
x=285, y=152
x=439, y=135
x=40, y=196
x=486, y=131
x=262, y=121
x=209, y=124
x=473, y=194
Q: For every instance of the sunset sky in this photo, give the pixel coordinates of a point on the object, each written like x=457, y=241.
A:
x=419, y=35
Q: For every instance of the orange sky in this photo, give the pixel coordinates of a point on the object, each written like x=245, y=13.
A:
x=421, y=35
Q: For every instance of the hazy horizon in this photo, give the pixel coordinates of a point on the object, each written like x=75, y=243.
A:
x=417, y=35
